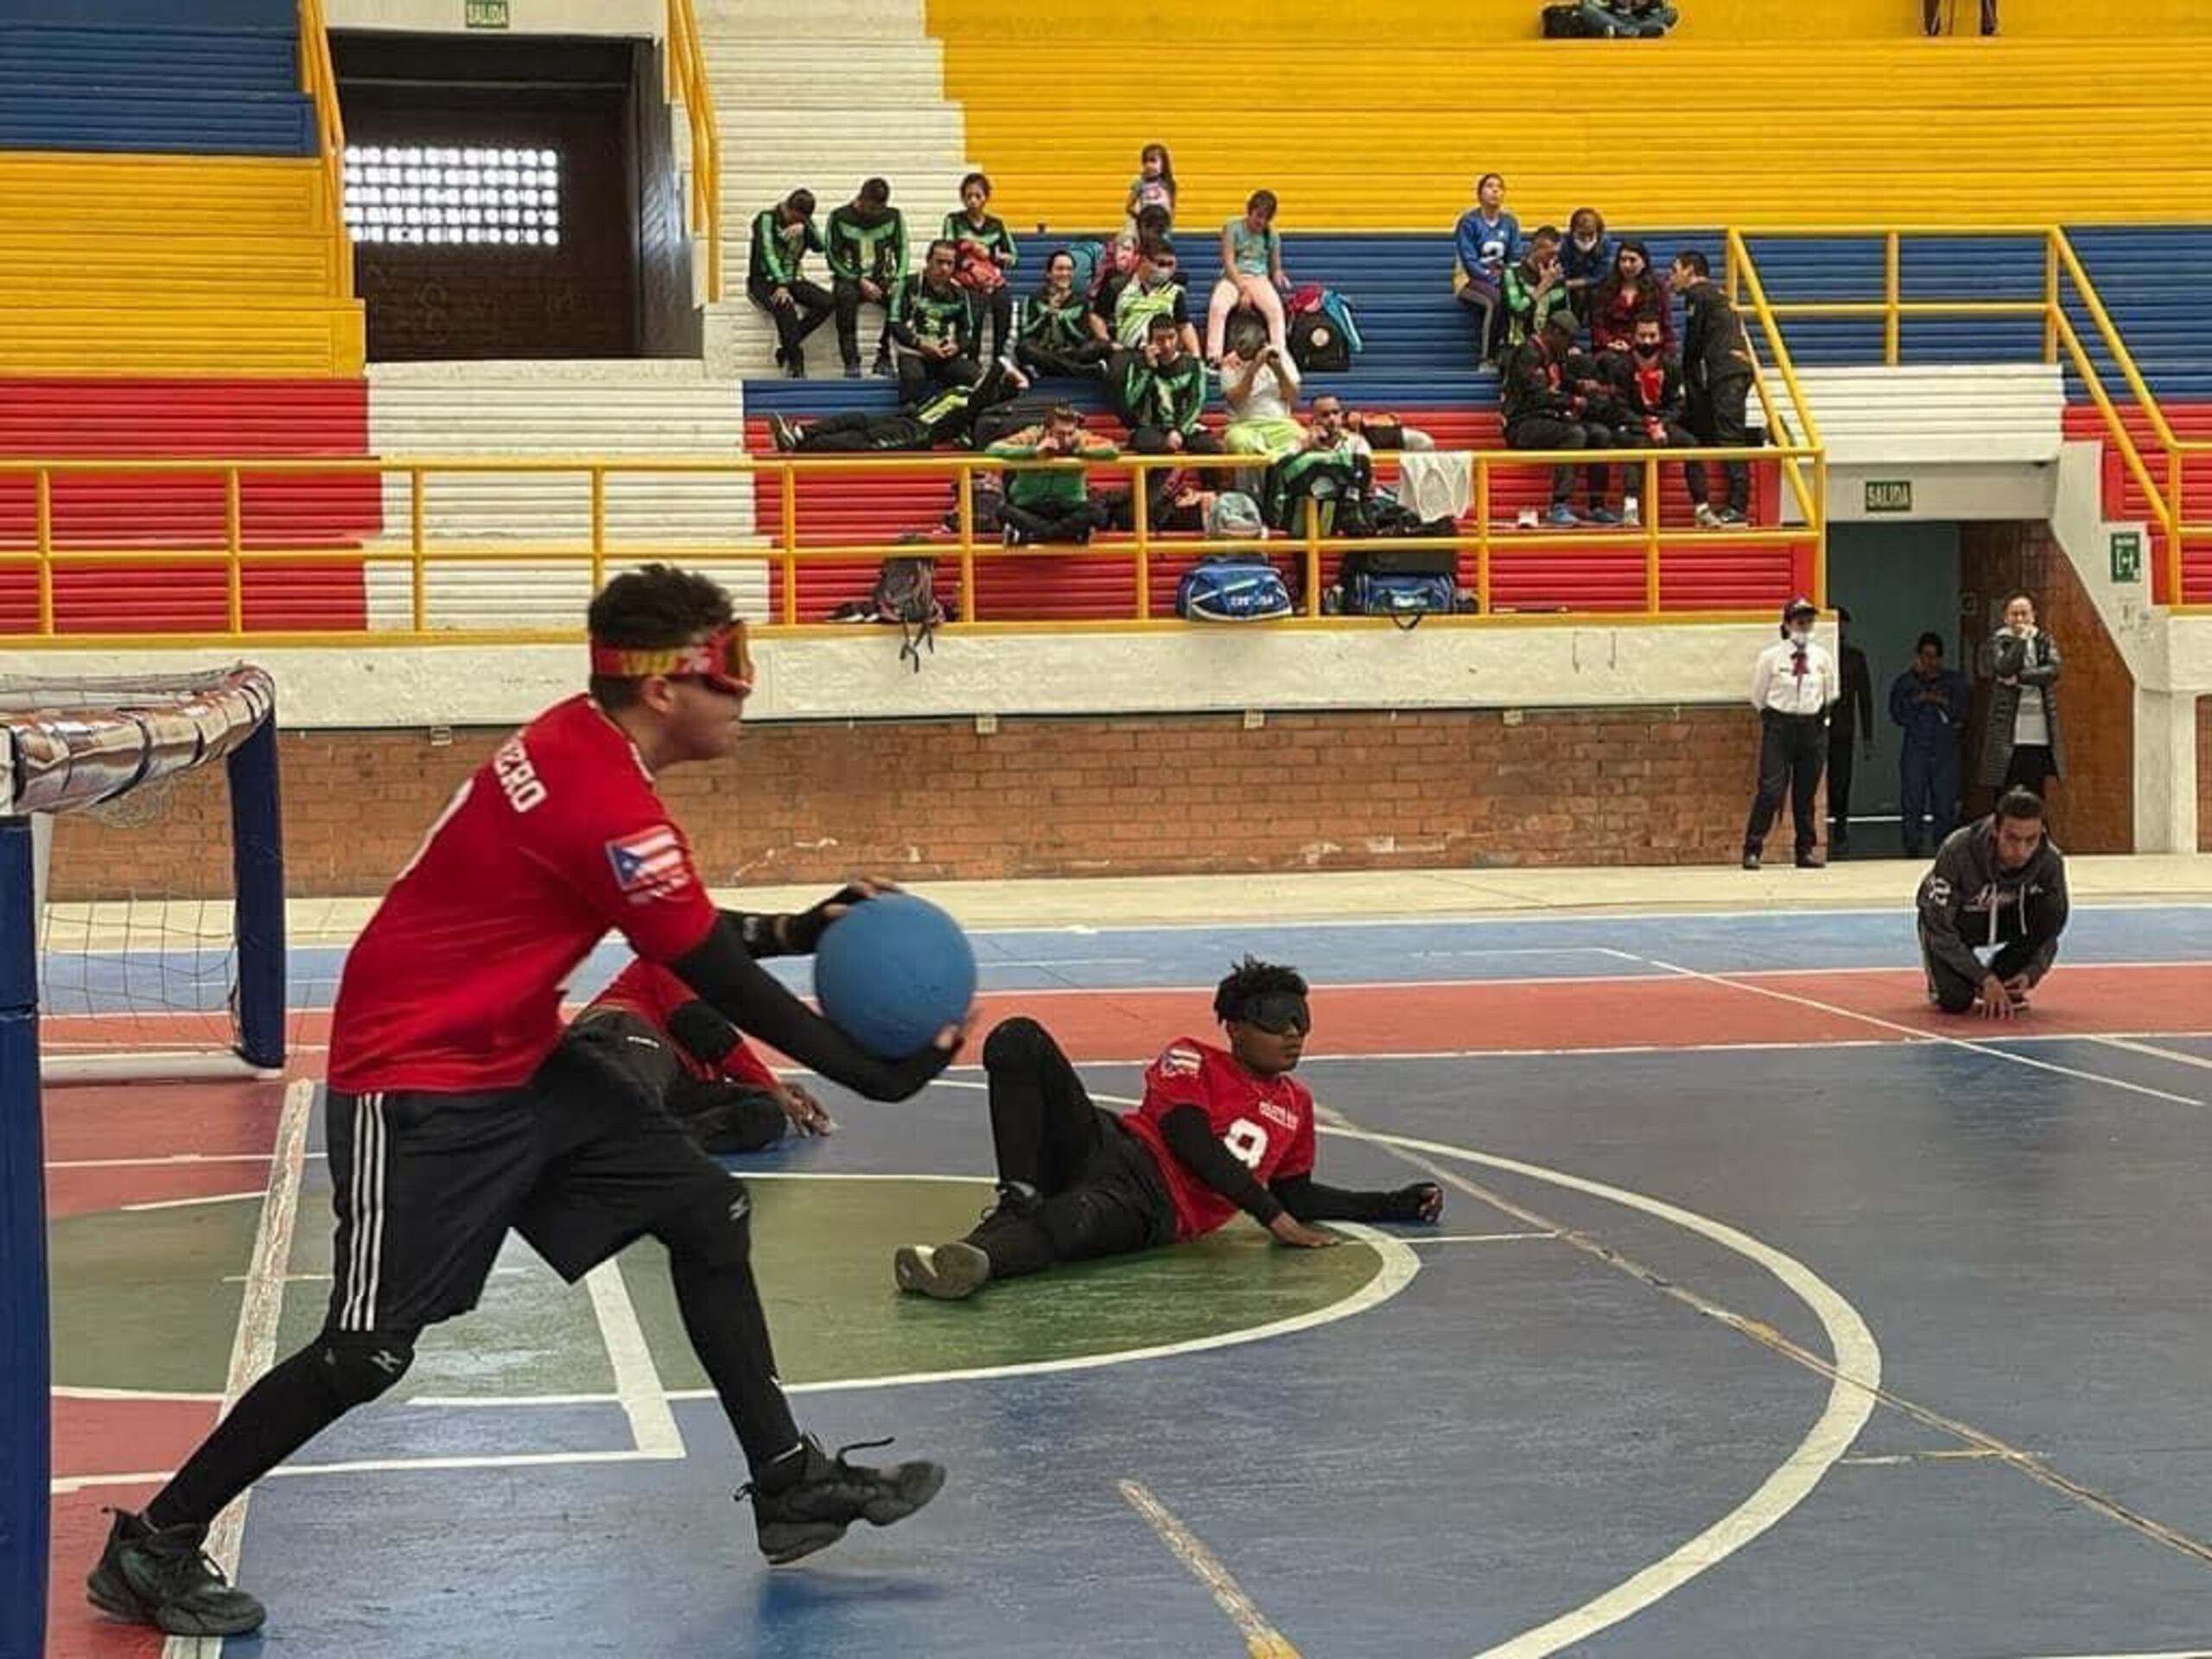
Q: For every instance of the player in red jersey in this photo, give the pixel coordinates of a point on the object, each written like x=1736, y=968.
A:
x=454, y=1113
x=1217, y=1133
x=694, y=1062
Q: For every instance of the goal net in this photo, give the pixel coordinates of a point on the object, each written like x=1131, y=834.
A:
x=116, y=946
x=156, y=882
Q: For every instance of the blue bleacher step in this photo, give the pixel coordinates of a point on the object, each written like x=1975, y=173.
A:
x=278, y=14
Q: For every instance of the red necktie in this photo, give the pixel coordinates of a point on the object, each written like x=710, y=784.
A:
x=1797, y=662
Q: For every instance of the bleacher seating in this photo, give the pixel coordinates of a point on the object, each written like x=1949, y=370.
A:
x=217, y=76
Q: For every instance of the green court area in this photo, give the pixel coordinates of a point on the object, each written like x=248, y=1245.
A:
x=150, y=1300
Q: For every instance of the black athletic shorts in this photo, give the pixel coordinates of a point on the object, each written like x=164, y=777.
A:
x=578, y=1161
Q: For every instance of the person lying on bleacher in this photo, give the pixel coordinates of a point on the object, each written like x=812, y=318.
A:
x=775, y=279
x=866, y=247
x=1541, y=412
x=1260, y=384
x=1125, y=307
x=1535, y=290
x=1050, y=503
x=946, y=418
x=933, y=328
x=1159, y=394
x=1629, y=293
x=1055, y=338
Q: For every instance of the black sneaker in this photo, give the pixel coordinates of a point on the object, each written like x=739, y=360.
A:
x=949, y=1273
x=783, y=434
x=813, y=1511
x=162, y=1577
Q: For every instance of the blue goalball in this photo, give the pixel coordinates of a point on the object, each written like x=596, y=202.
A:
x=893, y=972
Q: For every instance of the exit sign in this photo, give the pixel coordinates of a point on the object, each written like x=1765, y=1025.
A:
x=2127, y=555
x=1889, y=495
x=483, y=13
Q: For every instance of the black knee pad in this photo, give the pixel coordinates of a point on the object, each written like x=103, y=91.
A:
x=357, y=1366
x=1015, y=1043
x=712, y=1224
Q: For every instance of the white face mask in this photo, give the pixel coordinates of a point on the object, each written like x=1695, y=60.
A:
x=1801, y=636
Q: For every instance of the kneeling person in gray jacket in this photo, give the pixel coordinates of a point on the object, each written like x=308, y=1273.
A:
x=1998, y=885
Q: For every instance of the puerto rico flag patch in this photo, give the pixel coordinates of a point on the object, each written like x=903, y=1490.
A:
x=1181, y=1061
x=649, y=864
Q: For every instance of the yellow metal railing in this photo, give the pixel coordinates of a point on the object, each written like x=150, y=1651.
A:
x=2065, y=280
x=687, y=85
x=320, y=82
x=785, y=551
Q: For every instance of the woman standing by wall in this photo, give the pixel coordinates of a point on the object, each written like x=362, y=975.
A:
x=2020, y=745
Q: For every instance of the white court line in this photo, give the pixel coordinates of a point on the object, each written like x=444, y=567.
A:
x=1854, y=1379
x=181, y=1397
x=2156, y=1053
x=2184, y=1653
x=1261, y=1639
x=1918, y=1035
x=1475, y=1238
x=163, y=1162
x=259, y=1310
x=185, y=1647
x=187, y=1203
x=637, y=1382
x=1524, y=916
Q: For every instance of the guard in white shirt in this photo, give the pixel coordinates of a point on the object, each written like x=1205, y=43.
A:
x=1792, y=688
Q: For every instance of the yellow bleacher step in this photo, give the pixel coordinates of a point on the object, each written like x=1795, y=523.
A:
x=165, y=195
x=303, y=341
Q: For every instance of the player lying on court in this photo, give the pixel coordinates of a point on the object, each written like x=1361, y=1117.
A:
x=1218, y=1131
x=697, y=1065
x=1998, y=885
x=454, y=1112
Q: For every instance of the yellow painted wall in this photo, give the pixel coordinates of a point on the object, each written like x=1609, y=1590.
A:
x=1771, y=133
x=169, y=264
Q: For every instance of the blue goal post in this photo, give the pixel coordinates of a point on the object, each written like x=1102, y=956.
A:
x=94, y=746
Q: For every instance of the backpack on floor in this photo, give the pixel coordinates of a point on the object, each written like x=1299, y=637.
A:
x=1402, y=586
x=905, y=592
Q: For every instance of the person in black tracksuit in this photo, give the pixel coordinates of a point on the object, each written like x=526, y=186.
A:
x=866, y=249
x=1997, y=885
x=1542, y=412
x=1851, y=725
x=775, y=277
x=947, y=418
x=934, y=328
x=1056, y=337
x=1717, y=371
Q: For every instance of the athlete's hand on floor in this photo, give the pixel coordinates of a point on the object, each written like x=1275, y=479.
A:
x=1289, y=1229
x=1423, y=1201
x=805, y=1111
x=1995, y=1002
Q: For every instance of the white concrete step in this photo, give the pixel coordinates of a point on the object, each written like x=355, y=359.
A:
x=903, y=130
x=530, y=595
x=750, y=21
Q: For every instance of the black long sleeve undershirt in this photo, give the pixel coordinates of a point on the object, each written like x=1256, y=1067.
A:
x=1309, y=1200
x=1190, y=1136
x=723, y=971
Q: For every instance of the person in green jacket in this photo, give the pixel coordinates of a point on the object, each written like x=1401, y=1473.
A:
x=775, y=279
x=1050, y=503
x=985, y=272
x=1159, y=392
x=867, y=251
x=1535, y=290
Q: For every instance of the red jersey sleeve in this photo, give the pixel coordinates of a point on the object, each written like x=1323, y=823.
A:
x=1178, y=1077
x=742, y=1065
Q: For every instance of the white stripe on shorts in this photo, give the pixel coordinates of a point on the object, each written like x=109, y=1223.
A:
x=365, y=1257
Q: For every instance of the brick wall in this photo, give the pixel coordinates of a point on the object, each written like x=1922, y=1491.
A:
x=1058, y=797
x=2204, y=774
x=2093, y=807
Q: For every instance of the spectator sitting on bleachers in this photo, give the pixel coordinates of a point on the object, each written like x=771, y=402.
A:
x=1050, y=503
x=1056, y=337
x=1251, y=273
x=1122, y=313
x=1650, y=380
x=866, y=251
x=933, y=327
x=1585, y=258
x=1541, y=414
x=1535, y=290
x=1717, y=373
x=1260, y=393
x=946, y=418
x=1485, y=241
x=985, y=247
x=1631, y=292
x=1334, y=466
x=775, y=279
x=1160, y=393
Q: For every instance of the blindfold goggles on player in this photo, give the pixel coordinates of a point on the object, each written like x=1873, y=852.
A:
x=724, y=660
x=1279, y=1013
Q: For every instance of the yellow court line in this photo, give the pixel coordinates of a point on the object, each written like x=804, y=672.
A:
x=1261, y=1639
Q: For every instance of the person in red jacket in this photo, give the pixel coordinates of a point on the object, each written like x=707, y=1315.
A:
x=695, y=1063
x=1218, y=1131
